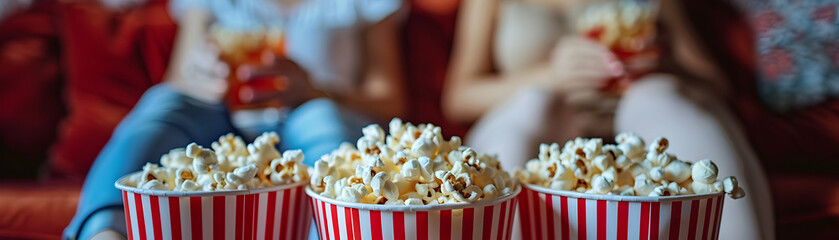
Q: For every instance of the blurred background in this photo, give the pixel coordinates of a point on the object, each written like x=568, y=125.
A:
x=71, y=70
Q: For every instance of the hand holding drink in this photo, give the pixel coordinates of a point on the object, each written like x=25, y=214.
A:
x=260, y=76
x=627, y=29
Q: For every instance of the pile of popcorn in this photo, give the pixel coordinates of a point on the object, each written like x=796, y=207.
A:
x=413, y=165
x=229, y=165
x=589, y=166
x=623, y=25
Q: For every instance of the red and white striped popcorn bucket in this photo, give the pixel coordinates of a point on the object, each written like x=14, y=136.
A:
x=281, y=212
x=553, y=214
x=484, y=219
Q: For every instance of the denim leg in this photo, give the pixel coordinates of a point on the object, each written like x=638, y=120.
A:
x=163, y=119
x=316, y=127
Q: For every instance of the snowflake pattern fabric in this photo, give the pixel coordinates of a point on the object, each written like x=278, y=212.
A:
x=798, y=51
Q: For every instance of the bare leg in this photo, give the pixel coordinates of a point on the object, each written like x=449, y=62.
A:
x=514, y=130
x=702, y=127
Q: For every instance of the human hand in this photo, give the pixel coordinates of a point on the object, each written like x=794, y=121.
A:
x=280, y=81
x=200, y=74
x=582, y=68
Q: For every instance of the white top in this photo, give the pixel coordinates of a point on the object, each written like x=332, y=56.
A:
x=323, y=36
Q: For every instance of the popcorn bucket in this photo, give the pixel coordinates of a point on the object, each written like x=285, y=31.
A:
x=484, y=219
x=280, y=212
x=553, y=214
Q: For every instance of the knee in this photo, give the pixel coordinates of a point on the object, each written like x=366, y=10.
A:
x=315, y=123
x=322, y=107
x=651, y=87
x=647, y=93
x=648, y=99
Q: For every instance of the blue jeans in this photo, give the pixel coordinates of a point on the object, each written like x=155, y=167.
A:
x=164, y=119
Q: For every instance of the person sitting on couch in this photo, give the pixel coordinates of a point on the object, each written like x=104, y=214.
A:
x=341, y=66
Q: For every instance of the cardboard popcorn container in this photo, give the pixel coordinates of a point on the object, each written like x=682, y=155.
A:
x=484, y=219
x=281, y=212
x=554, y=214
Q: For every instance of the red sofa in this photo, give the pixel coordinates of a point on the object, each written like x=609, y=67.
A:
x=86, y=66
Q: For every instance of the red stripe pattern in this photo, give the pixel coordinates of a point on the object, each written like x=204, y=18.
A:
x=483, y=222
x=547, y=216
x=219, y=217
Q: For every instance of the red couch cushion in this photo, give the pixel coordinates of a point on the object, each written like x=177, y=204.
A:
x=427, y=42
x=30, y=102
x=37, y=210
x=111, y=59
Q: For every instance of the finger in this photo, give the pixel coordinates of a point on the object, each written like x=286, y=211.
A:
x=279, y=67
x=221, y=69
x=589, y=76
x=599, y=60
x=249, y=95
x=583, y=100
x=641, y=63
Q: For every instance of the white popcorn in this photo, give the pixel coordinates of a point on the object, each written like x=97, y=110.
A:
x=184, y=174
x=533, y=165
x=203, y=159
x=245, y=173
x=154, y=184
x=395, y=127
x=414, y=201
x=602, y=185
x=644, y=186
x=622, y=162
x=383, y=187
x=610, y=173
x=373, y=131
x=230, y=165
x=176, y=158
x=673, y=187
x=412, y=165
x=352, y=195
x=426, y=190
x=703, y=188
x=628, y=168
x=368, y=146
x=593, y=147
x=469, y=194
x=704, y=171
x=367, y=174
x=412, y=170
x=263, y=149
x=427, y=169
x=329, y=186
x=661, y=191
x=453, y=144
x=631, y=145
x=730, y=184
x=231, y=150
x=604, y=162
x=581, y=168
x=490, y=191
x=404, y=185
x=661, y=160
x=635, y=170
x=400, y=157
x=288, y=169
x=188, y=186
x=677, y=171
x=658, y=146
x=321, y=168
x=626, y=191
x=656, y=173
x=424, y=147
